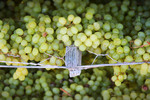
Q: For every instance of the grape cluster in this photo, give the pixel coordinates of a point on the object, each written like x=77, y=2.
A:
x=48, y=85
x=119, y=74
x=20, y=74
x=38, y=31
x=55, y=84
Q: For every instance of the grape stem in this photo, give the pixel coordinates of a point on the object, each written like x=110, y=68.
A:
x=100, y=55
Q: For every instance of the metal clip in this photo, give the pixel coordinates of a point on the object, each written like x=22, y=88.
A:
x=73, y=59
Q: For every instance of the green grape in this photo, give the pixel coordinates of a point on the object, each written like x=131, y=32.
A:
x=65, y=38
x=77, y=43
x=35, y=38
x=24, y=43
x=19, y=31
x=79, y=88
x=5, y=50
x=78, y=97
x=117, y=83
x=105, y=43
x=44, y=47
x=128, y=59
x=106, y=27
x=55, y=90
x=32, y=25
x=98, y=34
x=62, y=21
x=138, y=42
x=82, y=47
x=88, y=42
x=141, y=51
x=5, y=94
x=74, y=30
x=114, y=78
x=18, y=40
x=28, y=49
x=120, y=50
x=96, y=26
x=88, y=15
x=107, y=35
x=108, y=17
x=63, y=30
x=93, y=37
x=117, y=41
x=90, y=82
x=76, y=20
x=146, y=57
x=59, y=76
x=133, y=95
x=71, y=18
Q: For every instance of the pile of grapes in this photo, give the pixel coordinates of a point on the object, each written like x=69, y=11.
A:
x=38, y=31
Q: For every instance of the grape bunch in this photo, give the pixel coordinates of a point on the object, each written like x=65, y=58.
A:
x=38, y=31
x=20, y=74
x=55, y=84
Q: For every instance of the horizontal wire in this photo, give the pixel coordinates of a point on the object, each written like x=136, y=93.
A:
x=78, y=67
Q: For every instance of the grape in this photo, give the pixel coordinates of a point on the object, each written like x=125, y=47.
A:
x=79, y=88
x=49, y=38
x=65, y=38
x=76, y=20
x=117, y=83
x=106, y=27
x=93, y=37
x=82, y=47
x=62, y=21
x=146, y=56
x=35, y=38
x=137, y=42
x=59, y=76
x=141, y=51
x=55, y=90
x=63, y=30
x=115, y=31
x=5, y=94
x=120, y=78
x=18, y=40
x=50, y=30
x=32, y=25
x=128, y=59
x=133, y=95
x=119, y=50
x=24, y=43
x=27, y=49
x=2, y=57
x=21, y=78
x=96, y=26
x=5, y=50
x=74, y=30
x=77, y=43
x=117, y=41
x=88, y=42
x=88, y=32
x=70, y=17
x=19, y=31
x=119, y=26
x=143, y=69
x=114, y=78
x=108, y=35
x=88, y=15
x=44, y=47
x=78, y=97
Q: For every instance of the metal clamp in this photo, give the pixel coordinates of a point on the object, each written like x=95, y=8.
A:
x=73, y=60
